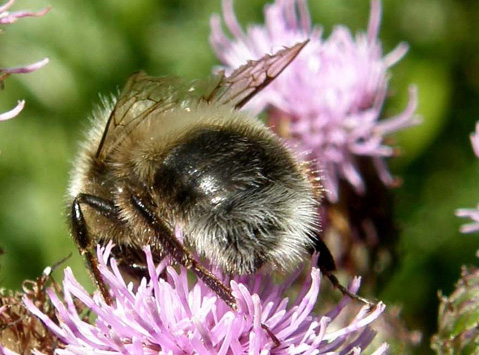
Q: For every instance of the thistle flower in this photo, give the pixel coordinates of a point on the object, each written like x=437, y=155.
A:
x=8, y=18
x=167, y=315
x=328, y=102
x=472, y=213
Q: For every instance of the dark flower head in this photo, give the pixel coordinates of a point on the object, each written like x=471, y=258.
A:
x=20, y=331
x=328, y=102
x=168, y=315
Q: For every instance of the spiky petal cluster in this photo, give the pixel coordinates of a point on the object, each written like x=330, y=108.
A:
x=168, y=316
x=328, y=102
x=7, y=17
x=458, y=321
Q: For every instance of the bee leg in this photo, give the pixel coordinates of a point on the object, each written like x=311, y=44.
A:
x=327, y=265
x=181, y=255
x=84, y=240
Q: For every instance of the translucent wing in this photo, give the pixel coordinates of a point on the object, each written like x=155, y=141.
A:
x=142, y=96
x=249, y=79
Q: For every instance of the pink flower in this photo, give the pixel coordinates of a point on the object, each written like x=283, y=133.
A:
x=472, y=213
x=328, y=102
x=8, y=18
x=172, y=315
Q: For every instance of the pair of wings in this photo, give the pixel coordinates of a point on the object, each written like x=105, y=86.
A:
x=144, y=95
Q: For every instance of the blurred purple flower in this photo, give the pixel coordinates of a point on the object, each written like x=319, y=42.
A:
x=328, y=102
x=8, y=18
x=168, y=315
x=471, y=212
x=11, y=17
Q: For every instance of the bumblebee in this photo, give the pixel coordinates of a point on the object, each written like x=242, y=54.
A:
x=168, y=155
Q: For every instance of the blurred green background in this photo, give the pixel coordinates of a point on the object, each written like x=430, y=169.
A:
x=93, y=46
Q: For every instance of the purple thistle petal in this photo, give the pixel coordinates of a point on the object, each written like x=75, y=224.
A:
x=470, y=212
x=170, y=316
x=328, y=101
x=360, y=322
x=8, y=18
x=403, y=120
x=14, y=112
x=6, y=6
x=11, y=17
x=231, y=20
x=396, y=54
x=475, y=140
x=381, y=350
x=25, y=69
x=374, y=21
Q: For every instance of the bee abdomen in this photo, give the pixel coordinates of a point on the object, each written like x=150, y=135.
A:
x=237, y=194
x=211, y=166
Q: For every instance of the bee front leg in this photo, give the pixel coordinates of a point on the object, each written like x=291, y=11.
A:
x=84, y=241
x=182, y=255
